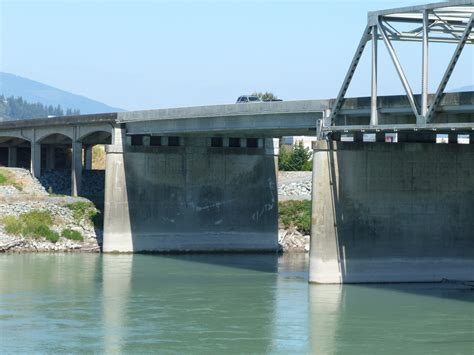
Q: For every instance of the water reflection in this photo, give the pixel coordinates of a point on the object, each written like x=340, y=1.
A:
x=48, y=303
x=391, y=319
x=204, y=302
x=219, y=303
x=116, y=276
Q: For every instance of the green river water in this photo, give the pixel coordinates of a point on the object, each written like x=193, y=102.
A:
x=219, y=304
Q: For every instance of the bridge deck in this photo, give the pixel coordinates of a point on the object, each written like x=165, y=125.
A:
x=456, y=112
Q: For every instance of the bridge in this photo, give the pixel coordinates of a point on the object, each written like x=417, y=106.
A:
x=390, y=202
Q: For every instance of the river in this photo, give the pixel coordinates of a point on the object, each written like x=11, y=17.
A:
x=219, y=304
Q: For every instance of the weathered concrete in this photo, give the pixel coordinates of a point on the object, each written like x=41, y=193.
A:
x=88, y=157
x=76, y=169
x=50, y=135
x=50, y=157
x=36, y=159
x=190, y=198
x=12, y=156
x=170, y=190
x=392, y=212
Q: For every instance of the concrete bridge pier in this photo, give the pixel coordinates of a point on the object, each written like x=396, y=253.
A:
x=36, y=159
x=12, y=157
x=392, y=212
x=88, y=157
x=50, y=157
x=76, y=169
x=189, y=195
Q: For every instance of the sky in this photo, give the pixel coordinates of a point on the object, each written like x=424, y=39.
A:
x=146, y=54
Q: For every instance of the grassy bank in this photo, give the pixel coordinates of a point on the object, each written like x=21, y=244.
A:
x=7, y=178
x=86, y=211
x=42, y=224
x=295, y=214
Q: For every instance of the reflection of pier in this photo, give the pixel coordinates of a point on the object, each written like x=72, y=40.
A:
x=116, y=279
x=199, y=302
x=403, y=318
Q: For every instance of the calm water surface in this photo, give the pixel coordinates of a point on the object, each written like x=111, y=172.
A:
x=219, y=304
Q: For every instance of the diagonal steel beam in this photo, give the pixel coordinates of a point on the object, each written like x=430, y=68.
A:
x=374, y=117
x=449, y=70
x=424, y=67
x=398, y=67
x=350, y=73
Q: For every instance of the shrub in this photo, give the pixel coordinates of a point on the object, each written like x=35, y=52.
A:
x=34, y=224
x=12, y=225
x=72, y=234
x=36, y=218
x=82, y=210
x=45, y=232
x=296, y=214
x=86, y=211
x=295, y=158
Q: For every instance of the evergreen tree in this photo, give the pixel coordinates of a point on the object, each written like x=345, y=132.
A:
x=17, y=108
x=296, y=158
x=265, y=96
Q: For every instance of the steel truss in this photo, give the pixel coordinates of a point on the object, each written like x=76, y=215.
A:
x=446, y=22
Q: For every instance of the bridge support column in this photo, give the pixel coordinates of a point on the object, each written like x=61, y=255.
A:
x=190, y=197
x=392, y=212
x=324, y=251
x=35, y=159
x=50, y=157
x=117, y=225
x=88, y=157
x=12, y=157
x=76, y=169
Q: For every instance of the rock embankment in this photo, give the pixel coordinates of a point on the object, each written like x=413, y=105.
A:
x=294, y=185
x=17, y=243
x=290, y=240
x=59, y=182
x=27, y=195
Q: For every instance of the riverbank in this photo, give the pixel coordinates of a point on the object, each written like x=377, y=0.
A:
x=33, y=220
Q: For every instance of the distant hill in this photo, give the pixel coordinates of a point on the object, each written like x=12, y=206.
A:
x=34, y=91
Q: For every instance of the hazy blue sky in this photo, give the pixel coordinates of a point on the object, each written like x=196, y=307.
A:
x=152, y=54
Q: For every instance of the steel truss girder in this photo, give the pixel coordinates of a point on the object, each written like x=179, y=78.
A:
x=432, y=21
x=449, y=70
x=350, y=73
x=424, y=67
x=374, y=116
x=400, y=72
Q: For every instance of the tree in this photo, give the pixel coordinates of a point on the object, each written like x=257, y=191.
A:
x=17, y=108
x=294, y=158
x=265, y=96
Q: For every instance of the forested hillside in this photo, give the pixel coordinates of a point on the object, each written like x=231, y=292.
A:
x=34, y=91
x=17, y=108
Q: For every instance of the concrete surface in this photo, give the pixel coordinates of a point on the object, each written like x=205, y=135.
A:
x=392, y=212
x=190, y=198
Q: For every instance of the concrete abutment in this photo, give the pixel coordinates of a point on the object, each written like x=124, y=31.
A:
x=392, y=212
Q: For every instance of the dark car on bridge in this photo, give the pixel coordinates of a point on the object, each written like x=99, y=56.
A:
x=247, y=98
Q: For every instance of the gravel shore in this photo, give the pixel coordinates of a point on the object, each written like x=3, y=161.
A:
x=294, y=185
